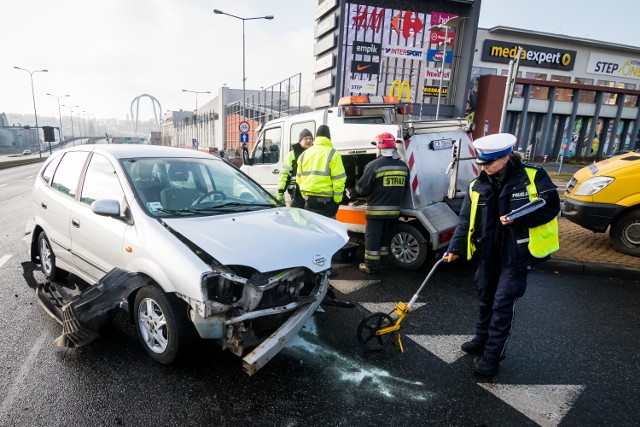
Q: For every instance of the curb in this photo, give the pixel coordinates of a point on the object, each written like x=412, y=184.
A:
x=590, y=269
x=11, y=163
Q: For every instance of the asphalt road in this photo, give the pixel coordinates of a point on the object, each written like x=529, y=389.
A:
x=571, y=361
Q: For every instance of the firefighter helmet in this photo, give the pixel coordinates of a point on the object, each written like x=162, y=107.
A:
x=385, y=140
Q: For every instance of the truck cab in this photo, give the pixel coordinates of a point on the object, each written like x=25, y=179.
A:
x=435, y=152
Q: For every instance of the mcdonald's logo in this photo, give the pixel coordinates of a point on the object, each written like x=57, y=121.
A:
x=401, y=86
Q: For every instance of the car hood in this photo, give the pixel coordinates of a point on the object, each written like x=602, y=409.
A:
x=608, y=166
x=266, y=240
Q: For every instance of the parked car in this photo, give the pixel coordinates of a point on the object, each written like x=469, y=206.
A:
x=204, y=246
x=26, y=152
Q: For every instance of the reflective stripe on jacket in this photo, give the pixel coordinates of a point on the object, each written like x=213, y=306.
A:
x=320, y=171
x=384, y=182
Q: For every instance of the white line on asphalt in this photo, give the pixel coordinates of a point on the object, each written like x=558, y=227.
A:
x=28, y=363
x=546, y=404
x=348, y=286
x=30, y=176
x=446, y=347
x=4, y=259
x=2, y=185
x=386, y=307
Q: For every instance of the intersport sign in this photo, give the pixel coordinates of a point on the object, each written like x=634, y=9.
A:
x=404, y=52
x=531, y=56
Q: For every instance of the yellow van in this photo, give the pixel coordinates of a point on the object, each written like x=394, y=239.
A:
x=608, y=193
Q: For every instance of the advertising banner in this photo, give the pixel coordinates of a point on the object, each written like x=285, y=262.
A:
x=531, y=56
x=365, y=67
x=363, y=86
x=434, y=73
x=435, y=55
x=404, y=52
x=614, y=65
x=433, y=91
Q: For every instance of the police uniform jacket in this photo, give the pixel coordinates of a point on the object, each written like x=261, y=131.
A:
x=384, y=182
x=499, y=196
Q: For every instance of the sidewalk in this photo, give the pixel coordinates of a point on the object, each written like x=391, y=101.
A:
x=585, y=252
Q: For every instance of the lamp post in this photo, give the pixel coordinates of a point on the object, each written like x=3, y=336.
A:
x=449, y=23
x=244, y=78
x=71, y=115
x=196, y=120
x=33, y=96
x=59, y=118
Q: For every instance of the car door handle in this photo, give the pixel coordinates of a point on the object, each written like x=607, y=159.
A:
x=75, y=223
x=275, y=172
x=44, y=205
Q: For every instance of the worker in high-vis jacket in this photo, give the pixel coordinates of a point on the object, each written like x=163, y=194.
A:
x=321, y=176
x=505, y=248
x=287, y=181
x=384, y=182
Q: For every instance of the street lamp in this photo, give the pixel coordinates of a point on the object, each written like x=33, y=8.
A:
x=449, y=23
x=196, y=120
x=33, y=96
x=244, y=78
x=73, y=137
x=59, y=118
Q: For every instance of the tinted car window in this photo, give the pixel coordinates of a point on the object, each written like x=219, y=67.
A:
x=48, y=172
x=68, y=172
x=100, y=181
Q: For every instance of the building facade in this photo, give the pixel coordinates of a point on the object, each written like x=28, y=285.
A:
x=572, y=97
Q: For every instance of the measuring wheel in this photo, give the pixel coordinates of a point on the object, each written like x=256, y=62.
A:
x=367, y=331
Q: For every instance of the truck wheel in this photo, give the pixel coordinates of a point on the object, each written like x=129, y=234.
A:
x=48, y=259
x=625, y=233
x=161, y=323
x=408, y=248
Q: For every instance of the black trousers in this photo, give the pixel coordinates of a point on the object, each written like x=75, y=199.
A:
x=324, y=206
x=376, y=241
x=498, y=291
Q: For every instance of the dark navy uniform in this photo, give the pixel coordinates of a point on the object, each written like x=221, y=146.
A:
x=505, y=251
x=384, y=182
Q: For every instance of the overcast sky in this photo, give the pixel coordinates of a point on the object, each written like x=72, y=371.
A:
x=105, y=53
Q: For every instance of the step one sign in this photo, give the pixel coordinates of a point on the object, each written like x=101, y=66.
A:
x=244, y=137
x=244, y=127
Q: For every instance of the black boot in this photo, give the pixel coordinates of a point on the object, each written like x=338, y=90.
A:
x=486, y=367
x=473, y=347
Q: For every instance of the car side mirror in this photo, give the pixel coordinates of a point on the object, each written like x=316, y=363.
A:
x=245, y=155
x=106, y=207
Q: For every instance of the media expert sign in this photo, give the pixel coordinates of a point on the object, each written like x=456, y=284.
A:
x=363, y=67
x=434, y=73
x=433, y=91
x=613, y=65
x=531, y=56
x=366, y=48
x=404, y=52
x=362, y=86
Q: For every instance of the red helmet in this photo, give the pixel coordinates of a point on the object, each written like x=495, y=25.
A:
x=385, y=140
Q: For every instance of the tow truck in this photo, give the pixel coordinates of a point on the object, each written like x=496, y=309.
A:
x=436, y=151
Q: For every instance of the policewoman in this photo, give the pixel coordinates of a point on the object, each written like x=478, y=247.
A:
x=505, y=249
x=384, y=182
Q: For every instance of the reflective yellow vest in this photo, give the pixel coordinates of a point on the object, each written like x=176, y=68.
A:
x=543, y=239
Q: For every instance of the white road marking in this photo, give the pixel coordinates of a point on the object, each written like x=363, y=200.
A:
x=446, y=347
x=386, y=307
x=2, y=185
x=23, y=373
x=348, y=286
x=546, y=404
x=4, y=259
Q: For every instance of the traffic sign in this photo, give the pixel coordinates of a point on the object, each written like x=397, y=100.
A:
x=244, y=127
x=244, y=137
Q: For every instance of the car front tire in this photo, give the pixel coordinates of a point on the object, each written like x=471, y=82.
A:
x=48, y=259
x=625, y=233
x=161, y=323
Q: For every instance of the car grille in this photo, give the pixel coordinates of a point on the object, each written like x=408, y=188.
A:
x=570, y=185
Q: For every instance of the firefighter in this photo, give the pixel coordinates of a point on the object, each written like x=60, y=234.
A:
x=506, y=248
x=383, y=181
x=321, y=176
x=288, y=176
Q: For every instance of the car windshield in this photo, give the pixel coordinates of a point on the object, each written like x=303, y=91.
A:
x=193, y=186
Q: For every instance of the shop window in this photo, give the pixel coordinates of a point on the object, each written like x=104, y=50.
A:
x=559, y=78
x=631, y=100
x=518, y=91
x=563, y=94
x=607, y=83
x=587, y=96
x=536, y=76
x=609, y=98
x=583, y=81
x=539, y=92
x=505, y=72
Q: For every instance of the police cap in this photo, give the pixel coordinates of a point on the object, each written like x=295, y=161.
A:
x=492, y=147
